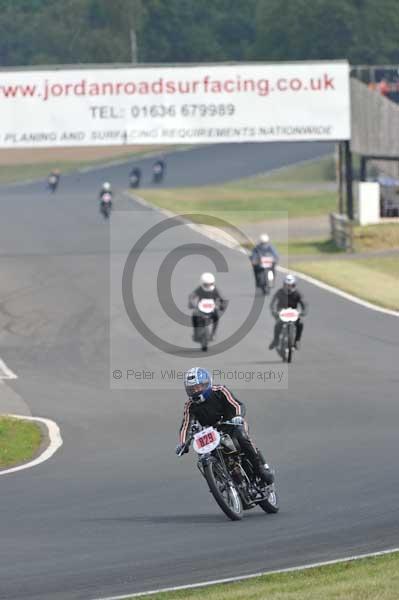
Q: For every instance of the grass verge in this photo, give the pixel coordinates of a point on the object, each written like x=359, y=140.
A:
x=366, y=239
x=318, y=171
x=15, y=173
x=374, y=279
x=242, y=205
x=365, y=579
x=376, y=237
x=19, y=441
x=303, y=247
x=298, y=247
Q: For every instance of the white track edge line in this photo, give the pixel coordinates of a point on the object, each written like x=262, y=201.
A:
x=320, y=284
x=338, y=292
x=56, y=442
x=8, y=373
x=254, y=575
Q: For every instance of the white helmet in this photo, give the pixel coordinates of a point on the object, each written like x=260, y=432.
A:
x=106, y=186
x=290, y=282
x=264, y=238
x=207, y=282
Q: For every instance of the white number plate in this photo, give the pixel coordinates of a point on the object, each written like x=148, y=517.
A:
x=206, y=440
x=206, y=305
x=289, y=314
x=266, y=262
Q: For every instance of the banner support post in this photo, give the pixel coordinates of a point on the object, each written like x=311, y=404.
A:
x=349, y=180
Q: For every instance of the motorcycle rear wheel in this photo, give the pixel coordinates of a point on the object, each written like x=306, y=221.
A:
x=223, y=491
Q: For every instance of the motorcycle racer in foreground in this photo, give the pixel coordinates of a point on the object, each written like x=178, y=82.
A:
x=208, y=404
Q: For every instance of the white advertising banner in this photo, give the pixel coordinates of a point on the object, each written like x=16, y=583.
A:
x=192, y=104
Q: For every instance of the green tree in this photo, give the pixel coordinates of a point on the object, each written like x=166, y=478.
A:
x=303, y=30
x=364, y=31
x=100, y=31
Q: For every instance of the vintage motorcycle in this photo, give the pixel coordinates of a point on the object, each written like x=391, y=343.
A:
x=287, y=337
x=203, y=313
x=53, y=181
x=158, y=171
x=135, y=178
x=265, y=273
x=106, y=205
x=229, y=474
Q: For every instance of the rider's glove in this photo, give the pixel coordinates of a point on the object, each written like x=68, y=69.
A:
x=239, y=421
x=181, y=449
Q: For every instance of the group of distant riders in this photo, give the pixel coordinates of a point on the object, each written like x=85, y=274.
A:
x=106, y=193
x=286, y=297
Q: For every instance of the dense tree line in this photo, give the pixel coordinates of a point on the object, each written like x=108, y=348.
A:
x=100, y=31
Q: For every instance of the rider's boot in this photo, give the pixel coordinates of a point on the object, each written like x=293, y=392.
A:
x=263, y=469
x=264, y=473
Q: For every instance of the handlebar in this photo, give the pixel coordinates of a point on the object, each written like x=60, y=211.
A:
x=196, y=428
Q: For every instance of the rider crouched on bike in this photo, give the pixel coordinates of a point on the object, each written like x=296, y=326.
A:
x=208, y=404
x=263, y=248
x=54, y=179
x=287, y=297
x=207, y=290
x=106, y=189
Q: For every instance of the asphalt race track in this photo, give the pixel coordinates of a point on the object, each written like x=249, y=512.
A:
x=115, y=511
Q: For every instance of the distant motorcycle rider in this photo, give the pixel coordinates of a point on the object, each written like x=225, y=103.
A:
x=54, y=179
x=106, y=189
x=287, y=297
x=135, y=176
x=208, y=404
x=208, y=290
x=158, y=170
x=263, y=248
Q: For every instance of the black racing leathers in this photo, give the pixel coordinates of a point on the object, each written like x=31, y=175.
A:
x=198, y=294
x=220, y=405
x=287, y=299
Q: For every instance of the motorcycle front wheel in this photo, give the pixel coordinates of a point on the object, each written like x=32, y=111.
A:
x=223, y=491
x=283, y=351
x=202, y=337
x=204, y=341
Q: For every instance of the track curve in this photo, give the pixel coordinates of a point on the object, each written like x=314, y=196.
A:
x=114, y=511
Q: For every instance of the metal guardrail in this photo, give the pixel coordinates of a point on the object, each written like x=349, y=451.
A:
x=342, y=231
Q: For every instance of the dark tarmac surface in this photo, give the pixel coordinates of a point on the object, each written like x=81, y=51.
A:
x=115, y=511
